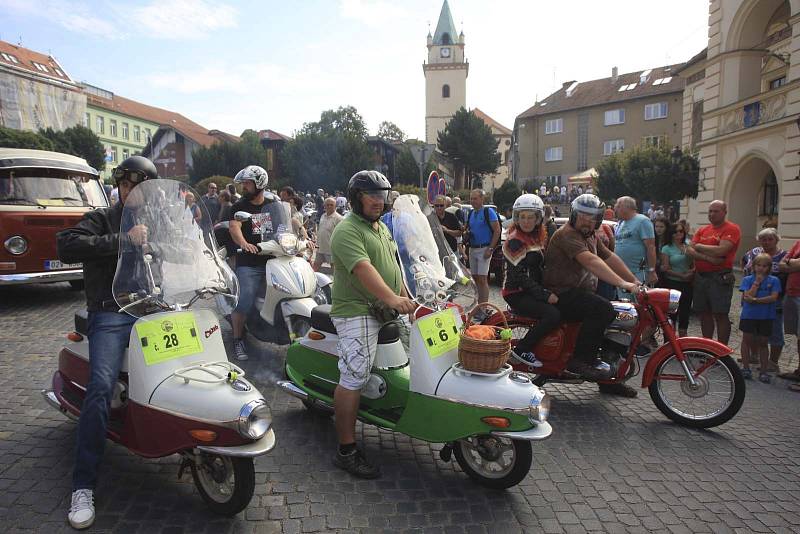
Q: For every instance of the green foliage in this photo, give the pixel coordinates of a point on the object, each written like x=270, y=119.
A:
x=389, y=131
x=22, y=139
x=469, y=142
x=76, y=140
x=227, y=159
x=328, y=152
x=648, y=173
x=506, y=194
x=221, y=181
x=406, y=189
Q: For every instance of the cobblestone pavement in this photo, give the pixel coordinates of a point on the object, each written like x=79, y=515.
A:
x=612, y=464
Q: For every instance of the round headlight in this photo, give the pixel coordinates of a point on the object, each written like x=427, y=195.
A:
x=288, y=242
x=16, y=245
x=254, y=419
x=539, y=409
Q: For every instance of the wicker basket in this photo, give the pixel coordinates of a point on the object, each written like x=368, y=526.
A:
x=483, y=355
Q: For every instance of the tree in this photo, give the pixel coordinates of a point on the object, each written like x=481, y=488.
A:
x=389, y=131
x=469, y=142
x=22, y=139
x=85, y=143
x=76, y=140
x=648, y=173
x=407, y=167
x=506, y=194
x=328, y=152
x=227, y=158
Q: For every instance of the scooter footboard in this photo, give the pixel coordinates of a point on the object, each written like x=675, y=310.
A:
x=686, y=344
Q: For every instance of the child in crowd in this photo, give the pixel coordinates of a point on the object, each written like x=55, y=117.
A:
x=760, y=292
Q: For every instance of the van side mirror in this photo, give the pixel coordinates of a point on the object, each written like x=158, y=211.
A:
x=242, y=216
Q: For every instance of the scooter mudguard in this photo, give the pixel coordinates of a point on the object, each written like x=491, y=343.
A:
x=323, y=279
x=685, y=343
x=301, y=307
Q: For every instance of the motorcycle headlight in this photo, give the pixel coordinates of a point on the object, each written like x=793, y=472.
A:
x=16, y=245
x=254, y=419
x=288, y=243
x=674, y=300
x=539, y=408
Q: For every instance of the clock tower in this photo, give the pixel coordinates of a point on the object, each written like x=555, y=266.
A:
x=445, y=75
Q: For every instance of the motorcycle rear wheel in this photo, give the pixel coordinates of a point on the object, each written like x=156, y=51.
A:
x=225, y=483
x=676, y=399
x=494, y=462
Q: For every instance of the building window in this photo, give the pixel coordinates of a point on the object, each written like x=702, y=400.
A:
x=125, y=154
x=655, y=111
x=113, y=154
x=769, y=203
x=10, y=58
x=614, y=116
x=40, y=67
x=655, y=140
x=445, y=91
x=554, y=153
x=112, y=128
x=147, y=135
x=101, y=125
x=137, y=134
x=777, y=82
x=125, y=130
x=553, y=126
x=613, y=146
x=86, y=120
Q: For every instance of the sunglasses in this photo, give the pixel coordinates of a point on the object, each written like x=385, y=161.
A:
x=438, y=205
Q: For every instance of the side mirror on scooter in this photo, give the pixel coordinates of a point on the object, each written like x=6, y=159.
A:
x=242, y=216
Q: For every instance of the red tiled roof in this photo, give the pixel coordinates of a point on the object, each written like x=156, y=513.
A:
x=27, y=60
x=606, y=90
x=162, y=117
x=272, y=135
x=490, y=121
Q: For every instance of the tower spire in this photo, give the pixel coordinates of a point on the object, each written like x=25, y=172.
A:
x=446, y=32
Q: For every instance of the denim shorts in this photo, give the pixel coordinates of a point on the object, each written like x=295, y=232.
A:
x=250, y=279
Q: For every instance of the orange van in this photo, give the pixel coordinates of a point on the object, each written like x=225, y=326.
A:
x=42, y=193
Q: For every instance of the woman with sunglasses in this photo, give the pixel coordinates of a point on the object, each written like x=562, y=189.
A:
x=677, y=270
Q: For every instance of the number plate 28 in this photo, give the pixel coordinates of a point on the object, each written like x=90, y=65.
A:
x=169, y=337
x=439, y=332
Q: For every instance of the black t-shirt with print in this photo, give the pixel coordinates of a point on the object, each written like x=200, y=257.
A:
x=250, y=235
x=450, y=221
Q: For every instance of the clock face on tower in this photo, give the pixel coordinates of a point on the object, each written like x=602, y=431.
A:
x=445, y=52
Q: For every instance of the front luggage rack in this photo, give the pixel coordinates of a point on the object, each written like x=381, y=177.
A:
x=229, y=371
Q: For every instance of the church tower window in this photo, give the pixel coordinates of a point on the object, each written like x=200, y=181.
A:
x=445, y=91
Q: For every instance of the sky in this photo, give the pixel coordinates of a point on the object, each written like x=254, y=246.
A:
x=265, y=64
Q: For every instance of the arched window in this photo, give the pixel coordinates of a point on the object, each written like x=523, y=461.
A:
x=445, y=91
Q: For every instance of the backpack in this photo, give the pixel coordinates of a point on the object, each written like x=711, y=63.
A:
x=486, y=211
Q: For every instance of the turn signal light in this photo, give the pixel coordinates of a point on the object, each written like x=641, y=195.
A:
x=8, y=265
x=497, y=422
x=316, y=336
x=74, y=336
x=206, y=436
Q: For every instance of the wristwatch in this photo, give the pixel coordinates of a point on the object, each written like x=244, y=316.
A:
x=651, y=270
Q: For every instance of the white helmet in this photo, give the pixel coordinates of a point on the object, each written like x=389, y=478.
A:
x=527, y=202
x=253, y=173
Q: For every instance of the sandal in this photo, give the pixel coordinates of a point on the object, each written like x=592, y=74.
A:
x=794, y=387
x=791, y=375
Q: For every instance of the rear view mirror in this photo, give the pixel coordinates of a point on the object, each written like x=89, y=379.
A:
x=242, y=216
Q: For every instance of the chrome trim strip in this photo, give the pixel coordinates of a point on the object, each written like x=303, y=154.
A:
x=538, y=432
x=325, y=380
x=250, y=450
x=48, y=276
x=289, y=387
x=233, y=425
x=52, y=400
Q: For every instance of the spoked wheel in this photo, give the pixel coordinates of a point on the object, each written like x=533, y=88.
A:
x=225, y=483
x=494, y=462
x=715, y=398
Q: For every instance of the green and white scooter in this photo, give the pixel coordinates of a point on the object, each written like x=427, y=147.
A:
x=488, y=419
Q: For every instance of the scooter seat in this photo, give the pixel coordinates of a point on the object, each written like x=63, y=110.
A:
x=82, y=322
x=321, y=320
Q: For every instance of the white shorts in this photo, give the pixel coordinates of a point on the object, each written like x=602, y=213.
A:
x=358, y=344
x=478, y=265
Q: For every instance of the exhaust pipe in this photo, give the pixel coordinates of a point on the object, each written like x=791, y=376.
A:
x=51, y=399
x=291, y=389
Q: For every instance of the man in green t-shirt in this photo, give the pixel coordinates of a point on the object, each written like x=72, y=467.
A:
x=368, y=278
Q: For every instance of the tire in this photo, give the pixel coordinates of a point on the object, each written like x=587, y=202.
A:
x=225, y=483
x=478, y=456
x=327, y=291
x=76, y=285
x=670, y=396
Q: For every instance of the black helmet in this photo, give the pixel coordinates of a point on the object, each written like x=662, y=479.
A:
x=135, y=169
x=367, y=181
x=590, y=204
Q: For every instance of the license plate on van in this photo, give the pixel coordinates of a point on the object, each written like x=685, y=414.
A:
x=54, y=265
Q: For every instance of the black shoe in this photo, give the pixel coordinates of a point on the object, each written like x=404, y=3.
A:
x=356, y=464
x=620, y=390
x=599, y=370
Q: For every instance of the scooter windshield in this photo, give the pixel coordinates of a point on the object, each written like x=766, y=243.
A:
x=433, y=274
x=167, y=255
x=274, y=220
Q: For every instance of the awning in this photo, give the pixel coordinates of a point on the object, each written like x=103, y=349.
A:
x=585, y=177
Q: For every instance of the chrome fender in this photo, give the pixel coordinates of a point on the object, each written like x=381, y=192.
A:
x=685, y=343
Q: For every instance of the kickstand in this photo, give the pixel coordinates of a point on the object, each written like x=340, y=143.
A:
x=186, y=462
x=446, y=453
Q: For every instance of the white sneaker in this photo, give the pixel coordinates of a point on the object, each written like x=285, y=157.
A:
x=81, y=512
x=239, y=350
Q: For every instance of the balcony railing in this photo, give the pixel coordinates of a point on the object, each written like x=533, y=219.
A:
x=753, y=111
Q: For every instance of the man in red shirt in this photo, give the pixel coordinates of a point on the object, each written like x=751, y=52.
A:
x=791, y=303
x=713, y=249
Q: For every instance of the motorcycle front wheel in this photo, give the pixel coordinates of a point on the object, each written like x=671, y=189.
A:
x=494, y=462
x=225, y=483
x=717, y=396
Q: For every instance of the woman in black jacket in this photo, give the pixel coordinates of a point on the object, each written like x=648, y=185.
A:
x=523, y=290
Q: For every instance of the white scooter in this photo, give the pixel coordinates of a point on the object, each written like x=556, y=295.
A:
x=293, y=289
x=177, y=392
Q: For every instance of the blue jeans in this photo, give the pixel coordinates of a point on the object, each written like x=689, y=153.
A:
x=250, y=279
x=108, y=338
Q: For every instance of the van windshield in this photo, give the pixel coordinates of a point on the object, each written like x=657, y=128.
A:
x=50, y=187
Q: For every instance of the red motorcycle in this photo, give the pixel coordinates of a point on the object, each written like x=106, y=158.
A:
x=692, y=380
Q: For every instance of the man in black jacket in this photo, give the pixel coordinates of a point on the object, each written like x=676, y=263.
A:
x=95, y=242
